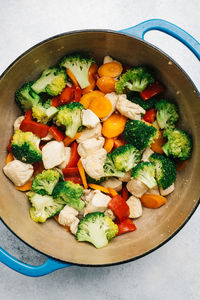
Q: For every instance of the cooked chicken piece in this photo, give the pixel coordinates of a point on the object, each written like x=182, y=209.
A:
x=48, y=137
x=17, y=123
x=146, y=154
x=93, y=163
x=89, y=146
x=154, y=191
x=167, y=191
x=67, y=158
x=90, y=133
x=135, y=207
x=98, y=202
x=136, y=188
x=53, y=154
x=109, y=213
x=129, y=109
x=74, y=226
x=89, y=119
x=107, y=59
x=126, y=177
x=113, y=97
x=18, y=172
x=67, y=215
x=113, y=183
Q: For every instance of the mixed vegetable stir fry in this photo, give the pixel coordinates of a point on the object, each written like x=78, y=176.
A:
x=95, y=145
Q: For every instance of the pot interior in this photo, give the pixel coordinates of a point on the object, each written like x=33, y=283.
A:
x=155, y=226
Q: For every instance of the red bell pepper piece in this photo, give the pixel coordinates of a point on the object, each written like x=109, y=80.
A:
x=55, y=101
x=76, y=179
x=150, y=115
x=119, y=206
x=41, y=130
x=76, y=93
x=70, y=172
x=74, y=158
x=126, y=225
x=9, y=145
x=28, y=115
x=124, y=193
x=152, y=90
x=57, y=134
x=66, y=95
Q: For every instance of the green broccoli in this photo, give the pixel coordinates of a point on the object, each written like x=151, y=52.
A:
x=179, y=144
x=110, y=169
x=97, y=229
x=44, y=113
x=146, y=105
x=139, y=134
x=165, y=170
x=95, y=181
x=25, y=147
x=166, y=113
x=79, y=66
x=135, y=79
x=125, y=157
x=43, y=207
x=25, y=97
x=45, y=182
x=52, y=81
x=69, y=115
x=67, y=192
x=145, y=172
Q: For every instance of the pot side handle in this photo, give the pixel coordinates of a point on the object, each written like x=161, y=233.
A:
x=49, y=266
x=167, y=27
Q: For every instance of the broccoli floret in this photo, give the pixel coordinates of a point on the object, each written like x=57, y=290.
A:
x=52, y=81
x=25, y=147
x=69, y=115
x=139, y=134
x=146, y=105
x=95, y=181
x=125, y=157
x=67, y=192
x=45, y=182
x=79, y=66
x=179, y=144
x=44, y=113
x=165, y=170
x=97, y=229
x=135, y=79
x=25, y=97
x=166, y=113
x=145, y=172
x=43, y=207
x=110, y=169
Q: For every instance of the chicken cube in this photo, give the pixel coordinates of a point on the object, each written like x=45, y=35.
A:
x=90, y=133
x=135, y=207
x=129, y=109
x=136, y=188
x=146, y=154
x=18, y=172
x=67, y=215
x=74, y=226
x=126, y=177
x=53, y=154
x=98, y=202
x=153, y=191
x=89, y=119
x=67, y=158
x=48, y=137
x=167, y=191
x=88, y=146
x=109, y=213
x=93, y=163
x=113, y=183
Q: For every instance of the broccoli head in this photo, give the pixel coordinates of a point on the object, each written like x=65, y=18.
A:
x=43, y=207
x=95, y=181
x=135, y=79
x=25, y=97
x=79, y=66
x=52, y=81
x=97, y=229
x=146, y=105
x=166, y=113
x=179, y=144
x=125, y=157
x=145, y=172
x=67, y=192
x=110, y=169
x=140, y=134
x=45, y=182
x=165, y=170
x=44, y=113
x=25, y=147
x=69, y=115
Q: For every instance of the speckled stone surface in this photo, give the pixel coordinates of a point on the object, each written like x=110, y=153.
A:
x=173, y=271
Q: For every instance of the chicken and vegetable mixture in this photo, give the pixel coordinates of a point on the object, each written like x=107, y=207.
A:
x=95, y=145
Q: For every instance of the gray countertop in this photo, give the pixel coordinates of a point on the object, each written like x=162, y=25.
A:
x=173, y=271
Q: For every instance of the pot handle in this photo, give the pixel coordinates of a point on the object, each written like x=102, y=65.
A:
x=167, y=27
x=49, y=266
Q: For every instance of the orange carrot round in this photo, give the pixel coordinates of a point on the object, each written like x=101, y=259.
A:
x=87, y=98
x=153, y=201
x=114, y=125
x=101, y=106
x=109, y=143
x=156, y=146
x=72, y=77
x=106, y=84
x=9, y=158
x=92, y=81
x=111, y=69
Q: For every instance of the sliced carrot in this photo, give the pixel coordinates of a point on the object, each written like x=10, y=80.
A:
x=106, y=84
x=153, y=201
x=112, y=192
x=82, y=174
x=87, y=98
x=109, y=143
x=72, y=77
x=101, y=106
x=114, y=125
x=98, y=187
x=181, y=164
x=111, y=69
x=25, y=187
x=92, y=81
x=67, y=140
x=156, y=146
x=9, y=158
x=118, y=143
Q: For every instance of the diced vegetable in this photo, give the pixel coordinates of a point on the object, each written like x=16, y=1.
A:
x=109, y=143
x=152, y=90
x=92, y=81
x=125, y=226
x=119, y=206
x=41, y=130
x=150, y=115
x=82, y=174
x=156, y=146
x=98, y=187
x=88, y=98
x=74, y=156
x=71, y=172
x=101, y=106
x=106, y=84
x=111, y=69
x=124, y=193
x=153, y=201
x=56, y=133
x=114, y=125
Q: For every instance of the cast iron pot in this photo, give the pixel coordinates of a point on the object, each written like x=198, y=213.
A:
x=155, y=227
